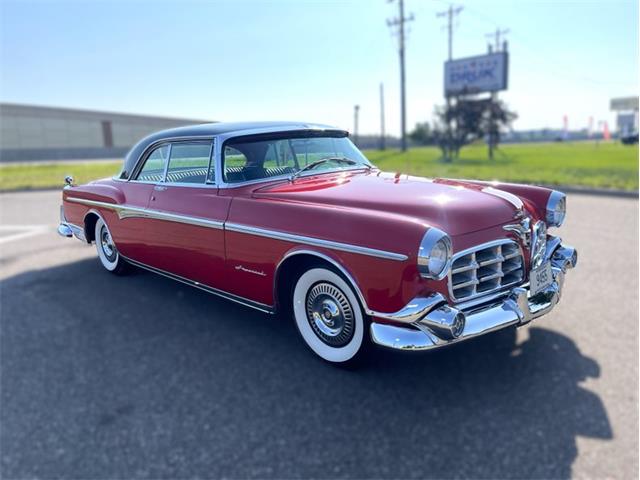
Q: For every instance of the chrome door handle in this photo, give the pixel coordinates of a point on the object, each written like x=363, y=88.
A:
x=159, y=188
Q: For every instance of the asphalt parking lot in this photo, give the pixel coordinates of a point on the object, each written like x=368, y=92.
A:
x=107, y=377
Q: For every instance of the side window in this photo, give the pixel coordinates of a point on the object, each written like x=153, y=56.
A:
x=234, y=163
x=189, y=163
x=262, y=159
x=153, y=169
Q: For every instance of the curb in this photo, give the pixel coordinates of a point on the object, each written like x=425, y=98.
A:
x=31, y=189
x=605, y=192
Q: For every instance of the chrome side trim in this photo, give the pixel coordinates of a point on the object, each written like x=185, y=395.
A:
x=172, y=217
x=214, y=291
x=126, y=211
x=316, y=242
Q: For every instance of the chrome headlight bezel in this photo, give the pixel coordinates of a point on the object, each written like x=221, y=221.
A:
x=556, y=209
x=538, y=243
x=432, y=239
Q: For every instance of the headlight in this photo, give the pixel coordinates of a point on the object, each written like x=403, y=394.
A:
x=538, y=244
x=556, y=208
x=434, y=254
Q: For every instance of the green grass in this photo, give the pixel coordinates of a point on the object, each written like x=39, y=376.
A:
x=50, y=175
x=603, y=165
x=607, y=165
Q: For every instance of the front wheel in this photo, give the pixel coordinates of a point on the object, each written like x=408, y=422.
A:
x=107, y=251
x=328, y=316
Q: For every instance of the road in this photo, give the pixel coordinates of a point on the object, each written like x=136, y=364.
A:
x=107, y=377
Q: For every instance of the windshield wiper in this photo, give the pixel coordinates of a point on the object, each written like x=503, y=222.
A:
x=314, y=164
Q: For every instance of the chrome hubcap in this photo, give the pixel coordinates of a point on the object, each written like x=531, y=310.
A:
x=108, y=247
x=330, y=314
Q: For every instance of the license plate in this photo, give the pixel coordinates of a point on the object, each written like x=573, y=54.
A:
x=540, y=278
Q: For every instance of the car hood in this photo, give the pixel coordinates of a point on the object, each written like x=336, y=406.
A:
x=454, y=206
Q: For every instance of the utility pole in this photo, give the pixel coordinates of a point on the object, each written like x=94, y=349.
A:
x=382, y=132
x=399, y=22
x=356, y=111
x=451, y=13
x=497, y=35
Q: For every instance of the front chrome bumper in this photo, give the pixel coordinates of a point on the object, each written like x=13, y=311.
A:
x=431, y=323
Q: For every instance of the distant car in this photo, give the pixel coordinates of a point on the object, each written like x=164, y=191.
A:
x=630, y=139
x=289, y=217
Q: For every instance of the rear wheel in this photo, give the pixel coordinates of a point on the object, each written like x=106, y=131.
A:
x=329, y=317
x=107, y=251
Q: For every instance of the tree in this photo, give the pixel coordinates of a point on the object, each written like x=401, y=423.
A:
x=421, y=134
x=470, y=120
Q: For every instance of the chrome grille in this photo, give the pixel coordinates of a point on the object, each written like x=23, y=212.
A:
x=485, y=269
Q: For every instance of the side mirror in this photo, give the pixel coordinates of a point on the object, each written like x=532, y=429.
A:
x=68, y=180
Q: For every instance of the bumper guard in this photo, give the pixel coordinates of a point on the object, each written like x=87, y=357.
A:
x=431, y=323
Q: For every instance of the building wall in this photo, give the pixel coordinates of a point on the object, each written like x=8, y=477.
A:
x=42, y=133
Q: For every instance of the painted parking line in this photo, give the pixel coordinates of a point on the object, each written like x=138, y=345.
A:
x=22, y=232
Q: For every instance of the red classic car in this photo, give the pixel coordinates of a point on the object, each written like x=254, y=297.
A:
x=293, y=218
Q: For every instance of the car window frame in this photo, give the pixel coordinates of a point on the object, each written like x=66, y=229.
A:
x=169, y=142
x=143, y=160
x=208, y=182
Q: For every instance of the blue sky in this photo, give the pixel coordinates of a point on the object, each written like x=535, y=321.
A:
x=310, y=60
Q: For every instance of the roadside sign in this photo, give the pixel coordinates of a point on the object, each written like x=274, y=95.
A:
x=482, y=73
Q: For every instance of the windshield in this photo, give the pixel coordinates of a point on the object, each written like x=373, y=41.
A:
x=245, y=160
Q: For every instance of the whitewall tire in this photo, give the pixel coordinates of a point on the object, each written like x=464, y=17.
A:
x=107, y=252
x=328, y=315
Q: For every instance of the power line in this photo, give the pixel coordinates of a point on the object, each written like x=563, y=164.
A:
x=559, y=66
x=399, y=23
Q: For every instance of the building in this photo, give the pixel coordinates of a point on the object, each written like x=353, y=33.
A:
x=626, y=109
x=30, y=132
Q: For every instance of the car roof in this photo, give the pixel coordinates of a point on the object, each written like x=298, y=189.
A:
x=214, y=129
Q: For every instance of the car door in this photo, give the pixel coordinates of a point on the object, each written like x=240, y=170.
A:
x=130, y=226
x=186, y=216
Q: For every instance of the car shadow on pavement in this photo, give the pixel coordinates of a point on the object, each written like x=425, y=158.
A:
x=139, y=376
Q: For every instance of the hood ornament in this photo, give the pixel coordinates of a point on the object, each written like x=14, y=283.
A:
x=522, y=230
